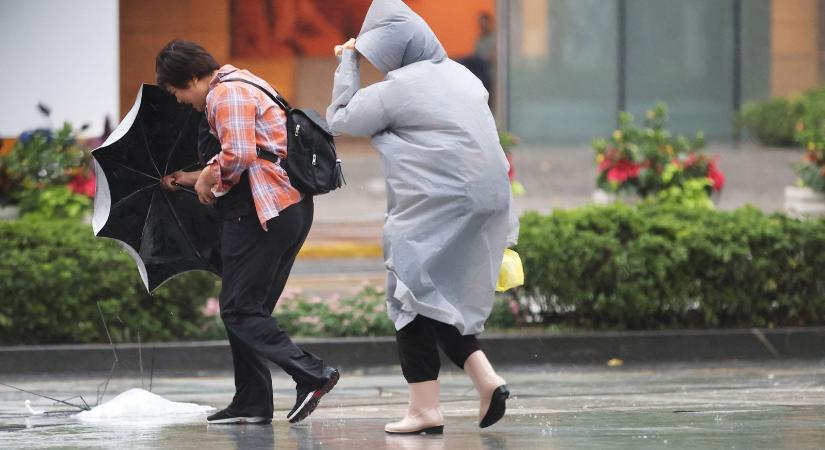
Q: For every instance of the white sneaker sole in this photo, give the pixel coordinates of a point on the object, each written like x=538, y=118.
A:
x=240, y=420
x=303, y=404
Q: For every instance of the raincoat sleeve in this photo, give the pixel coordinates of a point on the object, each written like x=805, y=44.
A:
x=355, y=111
x=514, y=225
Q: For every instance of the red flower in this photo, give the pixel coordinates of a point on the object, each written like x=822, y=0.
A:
x=511, y=173
x=83, y=185
x=622, y=171
x=715, y=176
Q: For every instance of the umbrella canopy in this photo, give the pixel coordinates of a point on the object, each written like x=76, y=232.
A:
x=167, y=233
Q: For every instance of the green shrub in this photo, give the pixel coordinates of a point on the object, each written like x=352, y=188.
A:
x=649, y=267
x=41, y=158
x=54, y=273
x=659, y=267
x=810, y=133
x=54, y=202
x=364, y=313
x=772, y=122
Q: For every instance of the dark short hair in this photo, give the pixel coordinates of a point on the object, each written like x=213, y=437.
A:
x=180, y=61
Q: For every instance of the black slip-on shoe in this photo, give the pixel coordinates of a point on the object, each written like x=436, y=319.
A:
x=308, y=399
x=225, y=416
x=498, y=404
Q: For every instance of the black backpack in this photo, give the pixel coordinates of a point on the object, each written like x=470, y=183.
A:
x=311, y=163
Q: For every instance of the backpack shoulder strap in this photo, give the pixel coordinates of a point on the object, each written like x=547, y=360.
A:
x=280, y=101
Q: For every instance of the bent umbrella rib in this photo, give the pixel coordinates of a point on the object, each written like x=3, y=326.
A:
x=146, y=146
x=132, y=169
x=180, y=225
x=177, y=140
x=137, y=191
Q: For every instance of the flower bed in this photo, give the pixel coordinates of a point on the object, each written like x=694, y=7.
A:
x=644, y=161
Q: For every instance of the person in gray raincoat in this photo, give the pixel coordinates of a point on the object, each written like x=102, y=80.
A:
x=449, y=216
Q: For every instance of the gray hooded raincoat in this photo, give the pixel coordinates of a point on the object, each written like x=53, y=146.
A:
x=449, y=214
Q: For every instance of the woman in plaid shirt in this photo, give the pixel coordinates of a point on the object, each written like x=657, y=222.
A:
x=265, y=222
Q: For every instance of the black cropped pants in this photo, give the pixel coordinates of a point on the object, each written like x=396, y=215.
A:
x=418, y=344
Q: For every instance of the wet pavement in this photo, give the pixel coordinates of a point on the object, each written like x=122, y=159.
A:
x=775, y=406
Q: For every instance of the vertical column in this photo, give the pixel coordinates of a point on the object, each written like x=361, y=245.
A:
x=794, y=46
x=621, y=54
x=737, y=62
x=502, y=64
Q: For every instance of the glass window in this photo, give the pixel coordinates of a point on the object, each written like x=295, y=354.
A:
x=681, y=52
x=563, y=75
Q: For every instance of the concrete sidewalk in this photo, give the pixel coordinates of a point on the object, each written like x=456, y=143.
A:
x=753, y=406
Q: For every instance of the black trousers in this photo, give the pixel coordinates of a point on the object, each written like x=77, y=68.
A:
x=418, y=344
x=256, y=265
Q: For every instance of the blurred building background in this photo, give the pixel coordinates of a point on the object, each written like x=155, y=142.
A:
x=571, y=64
x=63, y=54
x=287, y=42
x=563, y=68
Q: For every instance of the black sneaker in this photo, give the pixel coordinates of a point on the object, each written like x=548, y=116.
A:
x=307, y=399
x=227, y=417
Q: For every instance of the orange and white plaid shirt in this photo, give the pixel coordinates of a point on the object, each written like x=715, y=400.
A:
x=243, y=118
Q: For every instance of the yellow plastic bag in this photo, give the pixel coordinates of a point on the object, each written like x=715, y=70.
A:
x=511, y=273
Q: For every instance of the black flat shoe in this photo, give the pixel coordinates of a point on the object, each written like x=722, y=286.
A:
x=498, y=404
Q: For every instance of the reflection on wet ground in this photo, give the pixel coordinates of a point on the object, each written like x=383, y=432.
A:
x=743, y=406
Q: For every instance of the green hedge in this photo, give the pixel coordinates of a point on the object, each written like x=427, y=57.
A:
x=53, y=274
x=614, y=267
x=772, y=122
x=776, y=121
x=364, y=313
x=663, y=267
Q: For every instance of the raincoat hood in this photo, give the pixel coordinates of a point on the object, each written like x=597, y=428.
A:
x=394, y=36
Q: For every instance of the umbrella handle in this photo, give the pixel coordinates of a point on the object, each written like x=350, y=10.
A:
x=185, y=188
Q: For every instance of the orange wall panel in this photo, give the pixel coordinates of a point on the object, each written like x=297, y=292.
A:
x=794, y=46
x=454, y=22
x=279, y=72
x=147, y=25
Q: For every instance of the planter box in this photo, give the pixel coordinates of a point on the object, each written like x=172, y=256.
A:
x=802, y=202
x=9, y=212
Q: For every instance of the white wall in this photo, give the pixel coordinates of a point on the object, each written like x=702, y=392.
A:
x=63, y=53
